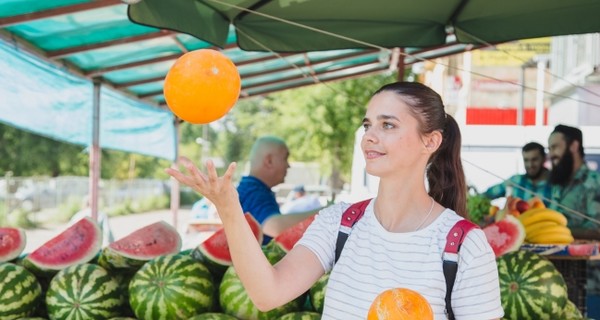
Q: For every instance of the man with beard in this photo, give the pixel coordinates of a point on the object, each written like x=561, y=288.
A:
x=576, y=193
x=530, y=184
x=574, y=186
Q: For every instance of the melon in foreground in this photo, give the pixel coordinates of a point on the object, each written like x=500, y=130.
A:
x=84, y=291
x=20, y=292
x=214, y=251
x=400, y=304
x=171, y=287
x=213, y=316
x=530, y=287
x=302, y=315
x=505, y=236
x=78, y=244
x=12, y=243
x=132, y=251
x=235, y=301
x=316, y=294
x=288, y=238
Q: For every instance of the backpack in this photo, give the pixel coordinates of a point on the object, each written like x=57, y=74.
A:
x=454, y=239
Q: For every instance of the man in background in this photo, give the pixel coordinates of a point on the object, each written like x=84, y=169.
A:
x=574, y=186
x=268, y=168
x=532, y=183
x=300, y=202
x=576, y=193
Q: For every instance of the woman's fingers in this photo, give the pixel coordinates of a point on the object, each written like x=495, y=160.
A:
x=228, y=176
x=213, y=178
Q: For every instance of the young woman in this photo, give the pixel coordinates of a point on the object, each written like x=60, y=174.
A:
x=413, y=146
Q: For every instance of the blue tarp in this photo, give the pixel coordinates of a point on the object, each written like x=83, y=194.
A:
x=44, y=99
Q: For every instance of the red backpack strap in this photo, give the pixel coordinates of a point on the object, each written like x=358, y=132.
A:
x=454, y=240
x=349, y=218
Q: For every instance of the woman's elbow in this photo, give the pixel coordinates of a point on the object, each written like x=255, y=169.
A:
x=265, y=304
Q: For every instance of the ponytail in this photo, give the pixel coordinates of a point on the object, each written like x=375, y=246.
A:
x=445, y=173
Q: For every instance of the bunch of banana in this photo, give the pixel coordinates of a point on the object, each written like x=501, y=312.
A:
x=543, y=225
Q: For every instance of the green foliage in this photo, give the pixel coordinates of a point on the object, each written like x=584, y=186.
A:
x=478, y=206
x=137, y=206
x=68, y=209
x=20, y=218
x=28, y=154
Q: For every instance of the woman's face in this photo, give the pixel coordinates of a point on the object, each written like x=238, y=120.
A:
x=392, y=141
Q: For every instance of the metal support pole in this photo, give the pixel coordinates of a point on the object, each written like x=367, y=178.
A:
x=539, y=100
x=521, y=109
x=175, y=183
x=95, y=152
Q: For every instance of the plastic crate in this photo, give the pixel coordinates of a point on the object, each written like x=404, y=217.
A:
x=574, y=271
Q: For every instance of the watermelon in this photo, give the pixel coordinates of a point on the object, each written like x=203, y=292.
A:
x=235, y=300
x=302, y=315
x=213, y=316
x=571, y=312
x=214, y=251
x=316, y=293
x=530, y=287
x=288, y=238
x=78, y=244
x=140, y=246
x=20, y=292
x=171, y=287
x=83, y=291
x=506, y=235
x=12, y=243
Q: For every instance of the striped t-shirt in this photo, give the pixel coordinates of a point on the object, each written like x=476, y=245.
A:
x=374, y=260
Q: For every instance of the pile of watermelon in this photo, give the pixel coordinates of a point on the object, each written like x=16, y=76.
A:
x=145, y=275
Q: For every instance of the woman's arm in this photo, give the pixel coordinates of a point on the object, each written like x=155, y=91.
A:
x=268, y=286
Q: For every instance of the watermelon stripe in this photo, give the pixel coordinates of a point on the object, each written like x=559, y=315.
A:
x=83, y=292
x=20, y=292
x=235, y=300
x=171, y=287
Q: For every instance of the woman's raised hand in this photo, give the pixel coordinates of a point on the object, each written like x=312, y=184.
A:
x=219, y=190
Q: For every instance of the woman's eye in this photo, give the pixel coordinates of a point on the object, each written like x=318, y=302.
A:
x=387, y=125
x=366, y=126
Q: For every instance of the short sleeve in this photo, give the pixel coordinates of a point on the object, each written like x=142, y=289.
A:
x=476, y=293
x=321, y=235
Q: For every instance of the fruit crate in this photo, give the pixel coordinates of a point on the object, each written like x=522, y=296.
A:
x=574, y=271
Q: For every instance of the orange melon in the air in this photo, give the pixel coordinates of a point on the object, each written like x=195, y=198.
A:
x=400, y=304
x=202, y=86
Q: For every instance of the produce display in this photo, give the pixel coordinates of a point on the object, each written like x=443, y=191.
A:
x=543, y=225
x=12, y=243
x=146, y=277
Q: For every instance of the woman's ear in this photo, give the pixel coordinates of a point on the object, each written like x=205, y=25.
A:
x=433, y=141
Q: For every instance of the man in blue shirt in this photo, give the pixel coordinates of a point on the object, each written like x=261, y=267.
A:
x=268, y=167
x=532, y=183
